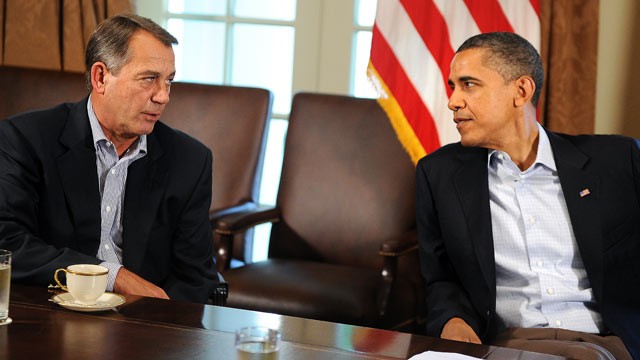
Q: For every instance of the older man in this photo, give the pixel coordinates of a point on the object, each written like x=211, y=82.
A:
x=102, y=181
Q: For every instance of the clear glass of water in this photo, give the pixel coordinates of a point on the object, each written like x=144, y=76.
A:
x=5, y=286
x=257, y=343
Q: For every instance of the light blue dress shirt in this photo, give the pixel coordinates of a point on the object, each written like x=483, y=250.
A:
x=540, y=277
x=112, y=178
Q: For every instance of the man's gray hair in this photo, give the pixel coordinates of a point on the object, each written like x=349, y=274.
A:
x=109, y=42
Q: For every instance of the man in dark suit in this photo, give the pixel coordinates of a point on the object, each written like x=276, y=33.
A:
x=103, y=182
x=528, y=239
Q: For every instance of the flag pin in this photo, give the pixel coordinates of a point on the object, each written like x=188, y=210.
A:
x=584, y=192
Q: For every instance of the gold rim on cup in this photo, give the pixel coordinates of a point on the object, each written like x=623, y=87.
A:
x=75, y=272
x=81, y=273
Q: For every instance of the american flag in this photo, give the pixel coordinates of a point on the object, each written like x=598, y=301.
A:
x=412, y=46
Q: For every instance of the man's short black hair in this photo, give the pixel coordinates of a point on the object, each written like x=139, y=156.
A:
x=511, y=55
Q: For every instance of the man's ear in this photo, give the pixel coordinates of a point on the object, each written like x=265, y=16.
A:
x=98, y=76
x=525, y=87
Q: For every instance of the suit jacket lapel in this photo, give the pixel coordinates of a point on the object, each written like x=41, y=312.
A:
x=145, y=187
x=580, y=187
x=77, y=169
x=471, y=183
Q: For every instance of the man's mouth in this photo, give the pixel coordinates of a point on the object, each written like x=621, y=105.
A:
x=151, y=115
x=460, y=121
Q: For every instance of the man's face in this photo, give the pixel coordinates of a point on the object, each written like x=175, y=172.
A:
x=136, y=96
x=482, y=102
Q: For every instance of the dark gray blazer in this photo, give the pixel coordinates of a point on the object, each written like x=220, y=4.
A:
x=50, y=203
x=456, y=241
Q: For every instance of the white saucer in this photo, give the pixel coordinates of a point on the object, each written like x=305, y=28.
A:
x=106, y=301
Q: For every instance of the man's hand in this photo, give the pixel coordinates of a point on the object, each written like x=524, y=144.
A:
x=129, y=283
x=457, y=329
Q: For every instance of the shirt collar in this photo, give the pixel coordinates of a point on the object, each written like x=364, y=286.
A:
x=544, y=155
x=98, y=134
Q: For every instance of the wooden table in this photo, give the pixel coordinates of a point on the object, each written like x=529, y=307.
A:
x=147, y=328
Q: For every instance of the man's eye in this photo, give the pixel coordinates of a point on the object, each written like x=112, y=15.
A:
x=149, y=79
x=468, y=84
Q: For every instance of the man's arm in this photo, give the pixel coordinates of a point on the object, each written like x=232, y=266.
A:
x=446, y=299
x=193, y=276
x=130, y=283
x=22, y=184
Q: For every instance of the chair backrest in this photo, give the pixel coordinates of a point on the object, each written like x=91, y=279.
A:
x=23, y=89
x=233, y=123
x=347, y=184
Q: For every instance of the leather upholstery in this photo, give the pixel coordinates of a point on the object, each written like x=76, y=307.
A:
x=233, y=123
x=23, y=89
x=343, y=245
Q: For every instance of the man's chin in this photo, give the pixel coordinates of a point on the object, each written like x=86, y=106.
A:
x=467, y=141
x=147, y=128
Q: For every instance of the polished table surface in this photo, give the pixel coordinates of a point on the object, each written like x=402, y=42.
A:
x=147, y=328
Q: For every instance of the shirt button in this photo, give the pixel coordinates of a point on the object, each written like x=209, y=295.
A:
x=558, y=323
x=113, y=171
x=532, y=220
x=108, y=208
x=540, y=263
x=108, y=143
x=106, y=247
x=550, y=291
x=500, y=156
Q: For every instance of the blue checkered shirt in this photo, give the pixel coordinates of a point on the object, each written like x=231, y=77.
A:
x=540, y=277
x=112, y=178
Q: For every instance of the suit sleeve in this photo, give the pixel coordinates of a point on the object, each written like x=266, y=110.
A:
x=34, y=258
x=445, y=297
x=193, y=276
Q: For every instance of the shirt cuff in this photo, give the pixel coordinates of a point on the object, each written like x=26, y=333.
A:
x=113, y=273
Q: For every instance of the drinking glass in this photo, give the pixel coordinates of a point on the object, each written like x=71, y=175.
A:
x=257, y=343
x=5, y=286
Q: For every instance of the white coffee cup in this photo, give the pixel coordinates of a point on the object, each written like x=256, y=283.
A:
x=85, y=282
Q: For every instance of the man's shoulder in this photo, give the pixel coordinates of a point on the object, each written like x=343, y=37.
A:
x=593, y=144
x=38, y=123
x=450, y=152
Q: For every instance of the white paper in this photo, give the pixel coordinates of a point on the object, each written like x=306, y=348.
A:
x=435, y=355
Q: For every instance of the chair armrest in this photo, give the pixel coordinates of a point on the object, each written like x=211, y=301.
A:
x=399, y=245
x=222, y=251
x=214, y=216
x=391, y=250
x=220, y=293
x=234, y=223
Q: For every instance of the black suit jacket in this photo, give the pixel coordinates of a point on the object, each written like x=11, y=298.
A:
x=50, y=203
x=456, y=241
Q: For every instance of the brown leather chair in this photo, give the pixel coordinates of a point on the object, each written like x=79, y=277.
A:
x=233, y=122
x=343, y=243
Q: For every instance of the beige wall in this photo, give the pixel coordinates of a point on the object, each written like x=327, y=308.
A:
x=617, y=95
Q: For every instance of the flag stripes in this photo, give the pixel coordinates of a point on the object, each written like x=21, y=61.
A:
x=412, y=46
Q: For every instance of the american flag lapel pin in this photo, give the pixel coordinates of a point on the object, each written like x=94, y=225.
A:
x=584, y=193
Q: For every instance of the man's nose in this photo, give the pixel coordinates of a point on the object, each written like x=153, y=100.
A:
x=455, y=101
x=161, y=93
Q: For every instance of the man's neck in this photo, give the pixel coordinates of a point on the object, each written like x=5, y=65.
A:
x=121, y=144
x=523, y=147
